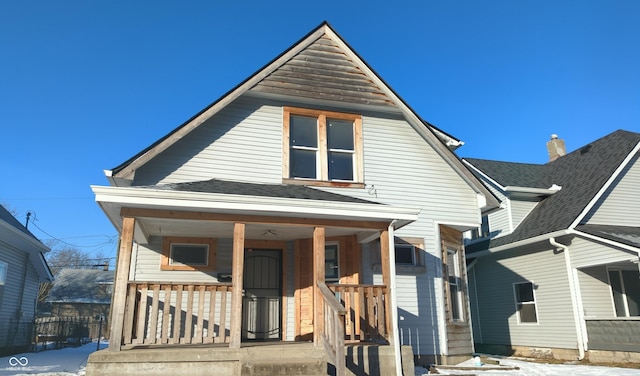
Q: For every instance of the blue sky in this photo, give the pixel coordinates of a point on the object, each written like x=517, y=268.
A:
x=85, y=85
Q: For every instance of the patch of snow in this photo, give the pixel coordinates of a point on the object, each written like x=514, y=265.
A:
x=537, y=369
x=70, y=361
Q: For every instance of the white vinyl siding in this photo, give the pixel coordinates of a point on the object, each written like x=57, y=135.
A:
x=585, y=252
x=621, y=203
x=497, y=311
x=595, y=293
x=520, y=209
x=13, y=290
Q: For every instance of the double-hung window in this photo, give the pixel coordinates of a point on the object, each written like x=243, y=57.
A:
x=625, y=288
x=322, y=146
x=454, y=281
x=525, y=302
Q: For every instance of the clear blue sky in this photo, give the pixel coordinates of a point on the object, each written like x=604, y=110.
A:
x=84, y=85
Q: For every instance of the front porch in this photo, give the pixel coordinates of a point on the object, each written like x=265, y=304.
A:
x=261, y=275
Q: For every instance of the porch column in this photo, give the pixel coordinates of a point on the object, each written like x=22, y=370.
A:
x=237, y=275
x=120, y=284
x=318, y=276
x=387, y=256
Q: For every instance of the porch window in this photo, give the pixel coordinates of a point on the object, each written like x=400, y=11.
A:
x=3, y=272
x=322, y=146
x=407, y=251
x=525, y=302
x=454, y=281
x=331, y=267
x=625, y=289
x=181, y=253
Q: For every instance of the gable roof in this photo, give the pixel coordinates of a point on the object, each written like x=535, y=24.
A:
x=583, y=175
x=319, y=67
x=81, y=286
x=14, y=233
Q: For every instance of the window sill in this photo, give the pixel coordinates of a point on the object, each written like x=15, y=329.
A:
x=323, y=183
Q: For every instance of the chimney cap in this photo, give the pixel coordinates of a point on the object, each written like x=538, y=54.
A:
x=554, y=136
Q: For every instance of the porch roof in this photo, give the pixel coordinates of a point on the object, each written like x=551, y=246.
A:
x=269, y=208
x=626, y=235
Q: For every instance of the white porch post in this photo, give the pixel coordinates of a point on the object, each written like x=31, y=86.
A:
x=120, y=284
x=237, y=275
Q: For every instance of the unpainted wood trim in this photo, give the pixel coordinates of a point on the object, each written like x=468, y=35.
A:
x=286, y=221
x=237, y=273
x=318, y=276
x=121, y=282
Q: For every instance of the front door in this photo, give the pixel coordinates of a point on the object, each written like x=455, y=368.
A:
x=261, y=315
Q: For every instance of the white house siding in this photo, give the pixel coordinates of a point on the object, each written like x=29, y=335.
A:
x=596, y=293
x=499, y=220
x=495, y=299
x=585, y=252
x=13, y=290
x=244, y=142
x=520, y=209
x=621, y=203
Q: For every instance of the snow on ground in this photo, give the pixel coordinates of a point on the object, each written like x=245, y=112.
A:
x=71, y=361
x=539, y=369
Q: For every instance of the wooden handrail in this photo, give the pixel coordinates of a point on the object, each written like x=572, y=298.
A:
x=366, y=318
x=332, y=332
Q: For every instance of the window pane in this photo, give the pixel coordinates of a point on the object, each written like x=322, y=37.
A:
x=616, y=289
x=527, y=312
x=340, y=166
x=524, y=292
x=303, y=131
x=3, y=272
x=404, y=254
x=302, y=164
x=454, y=295
x=331, y=263
x=189, y=254
x=631, y=279
x=340, y=134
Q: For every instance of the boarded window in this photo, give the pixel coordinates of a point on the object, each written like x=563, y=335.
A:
x=525, y=302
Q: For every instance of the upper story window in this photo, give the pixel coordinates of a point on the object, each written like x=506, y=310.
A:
x=322, y=146
x=3, y=272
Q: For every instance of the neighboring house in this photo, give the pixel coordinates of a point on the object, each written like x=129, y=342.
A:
x=556, y=271
x=22, y=269
x=81, y=292
x=311, y=173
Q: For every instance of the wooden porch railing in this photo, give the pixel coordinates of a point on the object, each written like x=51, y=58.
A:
x=366, y=318
x=176, y=313
x=332, y=330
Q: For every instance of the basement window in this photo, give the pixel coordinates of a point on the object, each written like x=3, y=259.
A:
x=182, y=253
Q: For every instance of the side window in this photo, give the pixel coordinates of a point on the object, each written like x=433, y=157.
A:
x=3, y=272
x=408, y=251
x=625, y=289
x=525, y=302
x=454, y=280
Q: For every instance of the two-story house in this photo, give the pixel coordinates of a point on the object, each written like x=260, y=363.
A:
x=308, y=208
x=555, y=272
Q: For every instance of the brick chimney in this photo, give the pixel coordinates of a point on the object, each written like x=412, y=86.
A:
x=556, y=148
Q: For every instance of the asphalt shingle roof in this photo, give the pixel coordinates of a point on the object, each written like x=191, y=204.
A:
x=260, y=190
x=621, y=234
x=581, y=174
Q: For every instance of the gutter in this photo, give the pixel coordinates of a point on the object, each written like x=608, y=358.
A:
x=575, y=300
x=520, y=243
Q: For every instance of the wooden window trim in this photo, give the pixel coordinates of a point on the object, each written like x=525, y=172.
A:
x=323, y=179
x=165, y=263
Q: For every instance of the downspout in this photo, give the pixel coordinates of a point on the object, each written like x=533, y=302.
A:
x=574, y=296
x=394, y=300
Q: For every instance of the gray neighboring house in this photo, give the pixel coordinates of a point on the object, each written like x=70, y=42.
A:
x=22, y=269
x=555, y=272
x=81, y=292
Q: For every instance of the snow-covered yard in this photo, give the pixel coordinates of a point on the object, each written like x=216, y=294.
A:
x=72, y=362
x=65, y=362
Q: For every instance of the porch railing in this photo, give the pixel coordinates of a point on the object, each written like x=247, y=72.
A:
x=366, y=318
x=332, y=331
x=176, y=313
